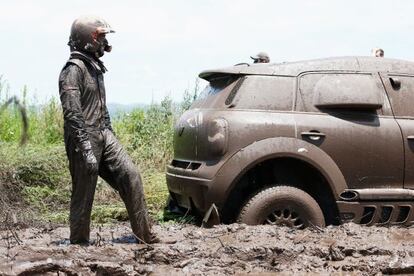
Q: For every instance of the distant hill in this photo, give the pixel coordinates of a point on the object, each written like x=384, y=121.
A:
x=116, y=108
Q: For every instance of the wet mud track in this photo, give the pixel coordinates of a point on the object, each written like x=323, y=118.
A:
x=223, y=250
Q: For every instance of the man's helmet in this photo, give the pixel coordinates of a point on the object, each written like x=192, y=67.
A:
x=261, y=57
x=86, y=35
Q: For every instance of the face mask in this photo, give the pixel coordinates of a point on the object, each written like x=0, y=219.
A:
x=107, y=47
x=103, y=46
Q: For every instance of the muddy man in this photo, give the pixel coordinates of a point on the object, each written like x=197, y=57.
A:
x=91, y=146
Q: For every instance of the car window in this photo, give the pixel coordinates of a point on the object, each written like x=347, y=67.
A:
x=346, y=86
x=402, y=95
x=215, y=86
x=266, y=93
x=211, y=96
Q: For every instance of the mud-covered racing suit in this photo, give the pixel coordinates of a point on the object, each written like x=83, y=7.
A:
x=93, y=149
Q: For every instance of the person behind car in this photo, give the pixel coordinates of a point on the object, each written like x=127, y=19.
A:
x=261, y=57
x=378, y=52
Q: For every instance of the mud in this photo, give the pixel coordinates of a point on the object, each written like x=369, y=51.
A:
x=223, y=250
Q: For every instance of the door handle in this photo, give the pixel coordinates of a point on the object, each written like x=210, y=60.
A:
x=314, y=135
x=410, y=137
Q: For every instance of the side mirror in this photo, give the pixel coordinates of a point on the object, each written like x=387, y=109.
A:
x=347, y=91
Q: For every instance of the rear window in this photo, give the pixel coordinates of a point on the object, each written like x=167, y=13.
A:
x=215, y=86
x=216, y=91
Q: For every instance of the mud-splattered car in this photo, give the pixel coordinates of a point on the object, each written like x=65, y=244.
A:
x=306, y=143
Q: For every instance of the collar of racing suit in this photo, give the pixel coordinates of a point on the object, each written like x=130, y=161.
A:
x=96, y=63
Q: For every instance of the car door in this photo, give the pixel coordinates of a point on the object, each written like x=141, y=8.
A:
x=400, y=90
x=365, y=144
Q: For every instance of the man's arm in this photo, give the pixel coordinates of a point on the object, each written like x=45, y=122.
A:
x=70, y=81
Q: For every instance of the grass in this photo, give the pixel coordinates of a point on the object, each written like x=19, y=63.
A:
x=40, y=176
x=35, y=177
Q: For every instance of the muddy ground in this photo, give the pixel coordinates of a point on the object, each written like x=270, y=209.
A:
x=225, y=249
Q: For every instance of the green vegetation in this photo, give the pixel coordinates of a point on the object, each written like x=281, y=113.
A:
x=35, y=180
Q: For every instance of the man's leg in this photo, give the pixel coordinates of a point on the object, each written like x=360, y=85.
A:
x=83, y=191
x=117, y=168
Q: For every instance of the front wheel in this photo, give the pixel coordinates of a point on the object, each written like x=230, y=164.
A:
x=282, y=205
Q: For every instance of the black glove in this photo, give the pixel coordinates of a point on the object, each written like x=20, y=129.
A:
x=89, y=157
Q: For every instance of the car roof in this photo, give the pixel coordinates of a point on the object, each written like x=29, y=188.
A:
x=351, y=64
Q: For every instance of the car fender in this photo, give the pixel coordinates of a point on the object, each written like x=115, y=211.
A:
x=259, y=151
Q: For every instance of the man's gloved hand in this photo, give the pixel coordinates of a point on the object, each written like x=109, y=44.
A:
x=89, y=158
x=91, y=163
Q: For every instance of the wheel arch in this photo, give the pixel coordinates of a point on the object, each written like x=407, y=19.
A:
x=276, y=151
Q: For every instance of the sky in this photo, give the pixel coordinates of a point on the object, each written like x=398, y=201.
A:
x=160, y=46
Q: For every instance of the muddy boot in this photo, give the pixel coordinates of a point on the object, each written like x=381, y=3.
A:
x=140, y=226
x=154, y=238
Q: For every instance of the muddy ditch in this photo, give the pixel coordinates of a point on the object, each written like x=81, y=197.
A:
x=222, y=250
